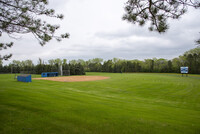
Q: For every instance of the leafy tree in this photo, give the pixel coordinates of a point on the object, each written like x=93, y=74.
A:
x=192, y=59
x=40, y=61
x=54, y=64
x=72, y=69
x=73, y=62
x=117, y=65
x=169, y=66
x=97, y=60
x=79, y=69
x=58, y=62
x=22, y=16
x=107, y=66
x=40, y=66
x=193, y=51
x=1, y=62
x=95, y=65
x=64, y=61
x=1, y=66
x=148, y=65
x=51, y=62
x=176, y=64
x=160, y=65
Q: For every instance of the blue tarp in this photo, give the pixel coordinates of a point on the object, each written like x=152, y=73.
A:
x=24, y=78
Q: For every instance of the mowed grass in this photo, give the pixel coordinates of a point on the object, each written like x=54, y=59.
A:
x=136, y=103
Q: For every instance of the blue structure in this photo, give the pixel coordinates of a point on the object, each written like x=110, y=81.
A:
x=49, y=74
x=24, y=78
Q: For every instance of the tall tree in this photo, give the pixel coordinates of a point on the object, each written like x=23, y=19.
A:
x=192, y=58
x=1, y=62
x=23, y=16
x=58, y=62
x=73, y=62
x=64, y=61
x=51, y=62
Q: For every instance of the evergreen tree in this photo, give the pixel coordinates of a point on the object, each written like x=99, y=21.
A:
x=157, y=12
x=22, y=16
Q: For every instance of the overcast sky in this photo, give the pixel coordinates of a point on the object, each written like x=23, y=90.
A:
x=97, y=31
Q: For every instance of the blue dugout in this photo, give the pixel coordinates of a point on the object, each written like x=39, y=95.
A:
x=49, y=74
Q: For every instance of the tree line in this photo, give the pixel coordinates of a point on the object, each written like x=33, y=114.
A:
x=53, y=65
x=190, y=58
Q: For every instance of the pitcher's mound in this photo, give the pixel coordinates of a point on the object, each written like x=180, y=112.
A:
x=74, y=78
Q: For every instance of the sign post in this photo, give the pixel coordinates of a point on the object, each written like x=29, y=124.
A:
x=184, y=70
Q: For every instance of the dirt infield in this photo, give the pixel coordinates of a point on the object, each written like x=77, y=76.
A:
x=74, y=78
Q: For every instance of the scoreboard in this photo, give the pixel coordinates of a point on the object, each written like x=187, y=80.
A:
x=184, y=70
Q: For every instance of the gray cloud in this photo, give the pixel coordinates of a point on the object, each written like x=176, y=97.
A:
x=97, y=30
x=179, y=38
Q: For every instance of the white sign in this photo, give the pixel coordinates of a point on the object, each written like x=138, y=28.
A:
x=184, y=70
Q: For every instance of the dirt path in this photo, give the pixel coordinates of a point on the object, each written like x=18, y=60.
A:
x=74, y=78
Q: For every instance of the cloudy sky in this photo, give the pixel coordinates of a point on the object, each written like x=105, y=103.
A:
x=97, y=31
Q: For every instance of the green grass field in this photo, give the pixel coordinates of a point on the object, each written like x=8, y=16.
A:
x=136, y=103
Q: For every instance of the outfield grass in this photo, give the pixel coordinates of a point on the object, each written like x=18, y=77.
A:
x=135, y=103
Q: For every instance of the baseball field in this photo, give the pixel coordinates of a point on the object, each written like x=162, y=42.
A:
x=128, y=103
